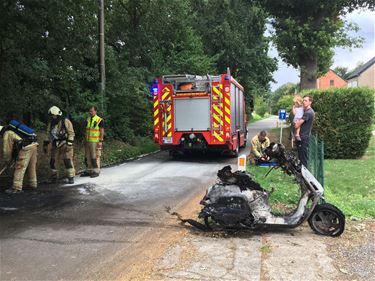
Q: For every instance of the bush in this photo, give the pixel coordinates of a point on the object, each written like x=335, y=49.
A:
x=287, y=89
x=260, y=106
x=285, y=102
x=343, y=120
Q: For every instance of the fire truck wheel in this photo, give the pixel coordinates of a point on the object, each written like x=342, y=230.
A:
x=236, y=152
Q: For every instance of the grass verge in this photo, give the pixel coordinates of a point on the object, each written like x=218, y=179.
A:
x=349, y=183
x=256, y=117
x=114, y=152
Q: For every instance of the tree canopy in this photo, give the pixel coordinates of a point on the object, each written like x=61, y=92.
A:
x=305, y=32
x=49, y=55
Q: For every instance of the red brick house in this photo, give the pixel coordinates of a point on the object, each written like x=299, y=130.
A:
x=330, y=80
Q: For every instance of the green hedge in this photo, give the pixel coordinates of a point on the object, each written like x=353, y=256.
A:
x=343, y=119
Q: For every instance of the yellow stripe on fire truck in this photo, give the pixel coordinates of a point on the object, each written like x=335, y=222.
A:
x=227, y=109
x=167, y=96
x=156, y=110
x=217, y=113
x=218, y=93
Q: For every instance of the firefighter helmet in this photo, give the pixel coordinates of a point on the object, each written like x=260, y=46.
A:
x=54, y=110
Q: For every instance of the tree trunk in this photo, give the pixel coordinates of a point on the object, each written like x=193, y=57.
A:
x=309, y=68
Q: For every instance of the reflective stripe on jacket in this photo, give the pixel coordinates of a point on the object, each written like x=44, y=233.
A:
x=92, y=129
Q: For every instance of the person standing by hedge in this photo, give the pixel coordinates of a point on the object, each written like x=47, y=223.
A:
x=94, y=143
x=305, y=124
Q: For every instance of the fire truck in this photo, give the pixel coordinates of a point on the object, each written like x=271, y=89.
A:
x=199, y=113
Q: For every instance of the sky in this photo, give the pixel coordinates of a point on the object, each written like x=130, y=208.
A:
x=343, y=57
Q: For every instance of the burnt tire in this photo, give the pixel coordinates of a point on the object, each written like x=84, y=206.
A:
x=327, y=220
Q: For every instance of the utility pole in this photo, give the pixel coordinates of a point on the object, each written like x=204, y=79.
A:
x=101, y=52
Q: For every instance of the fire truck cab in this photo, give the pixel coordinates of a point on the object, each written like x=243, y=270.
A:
x=194, y=112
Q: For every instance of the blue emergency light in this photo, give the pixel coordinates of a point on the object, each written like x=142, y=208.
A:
x=154, y=90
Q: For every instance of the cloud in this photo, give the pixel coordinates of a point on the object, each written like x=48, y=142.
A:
x=351, y=58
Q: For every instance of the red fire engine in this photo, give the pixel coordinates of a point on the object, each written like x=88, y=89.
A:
x=199, y=113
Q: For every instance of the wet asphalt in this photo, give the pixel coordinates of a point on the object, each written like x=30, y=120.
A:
x=73, y=232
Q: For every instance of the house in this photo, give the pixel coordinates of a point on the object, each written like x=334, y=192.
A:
x=330, y=80
x=363, y=76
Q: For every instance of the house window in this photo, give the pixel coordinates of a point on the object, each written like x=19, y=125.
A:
x=331, y=83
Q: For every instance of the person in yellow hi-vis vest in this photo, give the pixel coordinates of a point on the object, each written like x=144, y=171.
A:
x=23, y=152
x=94, y=143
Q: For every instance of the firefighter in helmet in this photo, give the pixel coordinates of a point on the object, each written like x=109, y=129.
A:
x=94, y=143
x=60, y=134
x=22, y=151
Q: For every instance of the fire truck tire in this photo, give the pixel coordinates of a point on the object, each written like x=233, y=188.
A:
x=244, y=143
x=236, y=152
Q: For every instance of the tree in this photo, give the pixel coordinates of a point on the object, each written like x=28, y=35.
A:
x=345, y=72
x=305, y=32
x=47, y=57
x=233, y=31
x=283, y=90
x=342, y=71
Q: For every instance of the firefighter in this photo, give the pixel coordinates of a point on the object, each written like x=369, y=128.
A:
x=258, y=144
x=94, y=143
x=23, y=151
x=60, y=134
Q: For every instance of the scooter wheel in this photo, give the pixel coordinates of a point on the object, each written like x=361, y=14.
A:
x=328, y=220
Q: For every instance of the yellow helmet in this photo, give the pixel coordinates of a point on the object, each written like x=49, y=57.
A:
x=54, y=110
x=1, y=127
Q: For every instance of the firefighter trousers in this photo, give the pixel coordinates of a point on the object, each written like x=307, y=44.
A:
x=92, y=157
x=26, y=160
x=65, y=153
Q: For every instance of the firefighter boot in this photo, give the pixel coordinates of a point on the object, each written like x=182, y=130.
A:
x=54, y=175
x=95, y=173
x=13, y=191
x=70, y=170
x=86, y=173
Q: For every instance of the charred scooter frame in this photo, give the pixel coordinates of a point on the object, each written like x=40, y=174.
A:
x=238, y=202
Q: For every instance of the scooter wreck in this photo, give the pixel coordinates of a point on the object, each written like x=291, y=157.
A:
x=237, y=202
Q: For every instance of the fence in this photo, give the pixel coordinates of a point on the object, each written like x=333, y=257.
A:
x=316, y=158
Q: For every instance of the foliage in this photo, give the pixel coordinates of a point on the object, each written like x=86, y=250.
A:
x=283, y=90
x=260, y=107
x=233, y=31
x=286, y=103
x=345, y=72
x=343, y=120
x=342, y=71
x=48, y=55
x=254, y=117
x=305, y=32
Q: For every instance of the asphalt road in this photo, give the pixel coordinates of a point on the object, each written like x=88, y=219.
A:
x=80, y=232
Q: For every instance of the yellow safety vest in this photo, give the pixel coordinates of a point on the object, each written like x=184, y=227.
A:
x=92, y=129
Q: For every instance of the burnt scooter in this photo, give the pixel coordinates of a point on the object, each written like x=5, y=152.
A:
x=238, y=202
